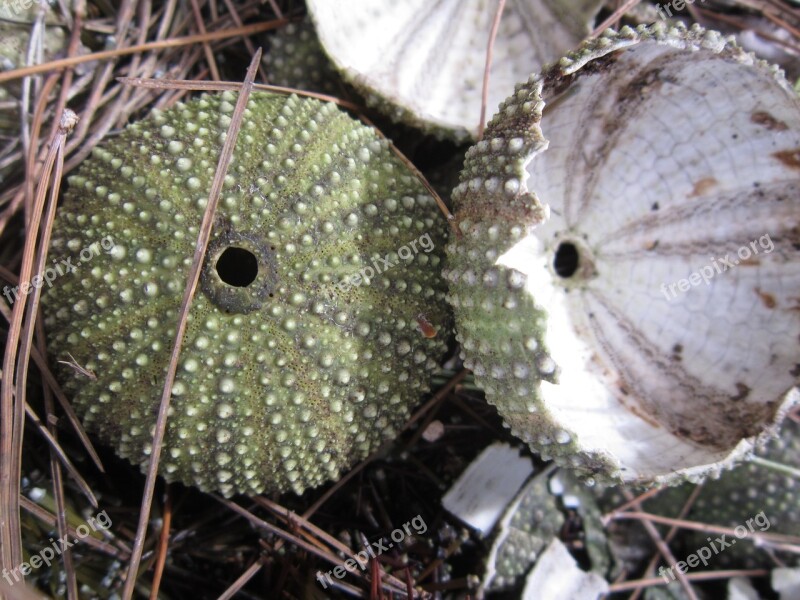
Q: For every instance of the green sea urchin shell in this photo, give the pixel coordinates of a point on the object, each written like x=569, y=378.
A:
x=296, y=60
x=670, y=148
x=285, y=379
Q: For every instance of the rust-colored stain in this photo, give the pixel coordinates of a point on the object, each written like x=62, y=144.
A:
x=791, y=158
x=425, y=326
x=762, y=117
x=703, y=186
x=750, y=262
x=768, y=299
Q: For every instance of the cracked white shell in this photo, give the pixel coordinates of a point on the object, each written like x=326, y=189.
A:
x=661, y=153
x=423, y=60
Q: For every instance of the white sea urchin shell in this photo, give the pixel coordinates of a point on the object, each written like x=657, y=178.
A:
x=671, y=152
x=425, y=58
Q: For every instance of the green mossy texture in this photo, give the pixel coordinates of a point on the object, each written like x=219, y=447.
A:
x=296, y=59
x=288, y=395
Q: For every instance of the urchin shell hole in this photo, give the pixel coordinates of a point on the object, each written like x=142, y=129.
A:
x=237, y=266
x=240, y=272
x=566, y=260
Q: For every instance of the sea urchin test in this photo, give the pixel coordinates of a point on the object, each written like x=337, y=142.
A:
x=666, y=149
x=279, y=386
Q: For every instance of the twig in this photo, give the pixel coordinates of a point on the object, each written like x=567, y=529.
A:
x=614, y=17
x=163, y=545
x=191, y=285
x=11, y=412
x=488, y=66
x=159, y=45
x=665, y=551
x=703, y=576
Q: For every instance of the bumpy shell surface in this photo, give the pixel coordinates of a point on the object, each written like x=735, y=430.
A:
x=296, y=59
x=422, y=61
x=671, y=151
x=537, y=517
x=284, y=380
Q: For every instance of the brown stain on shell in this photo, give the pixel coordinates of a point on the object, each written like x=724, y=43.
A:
x=703, y=186
x=425, y=326
x=790, y=158
x=767, y=299
x=765, y=119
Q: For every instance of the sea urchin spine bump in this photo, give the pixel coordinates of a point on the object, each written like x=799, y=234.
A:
x=278, y=388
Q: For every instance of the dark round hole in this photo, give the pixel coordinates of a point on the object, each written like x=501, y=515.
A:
x=237, y=267
x=566, y=260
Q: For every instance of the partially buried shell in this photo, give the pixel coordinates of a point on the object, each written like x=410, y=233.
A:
x=627, y=293
x=422, y=62
x=287, y=375
x=295, y=59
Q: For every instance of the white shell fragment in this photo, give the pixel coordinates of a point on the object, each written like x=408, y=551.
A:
x=424, y=60
x=627, y=291
x=556, y=576
x=786, y=581
x=487, y=486
x=528, y=525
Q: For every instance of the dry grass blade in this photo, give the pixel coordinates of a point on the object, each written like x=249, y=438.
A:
x=163, y=545
x=198, y=21
x=188, y=40
x=52, y=385
x=664, y=549
x=614, y=17
x=118, y=549
x=222, y=86
x=58, y=480
x=11, y=411
x=670, y=535
x=626, y=586
x=191, y=285
x=758, y=537
x=398, y=586
x=59, y=453
x=488, y=66
x=241, y=581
